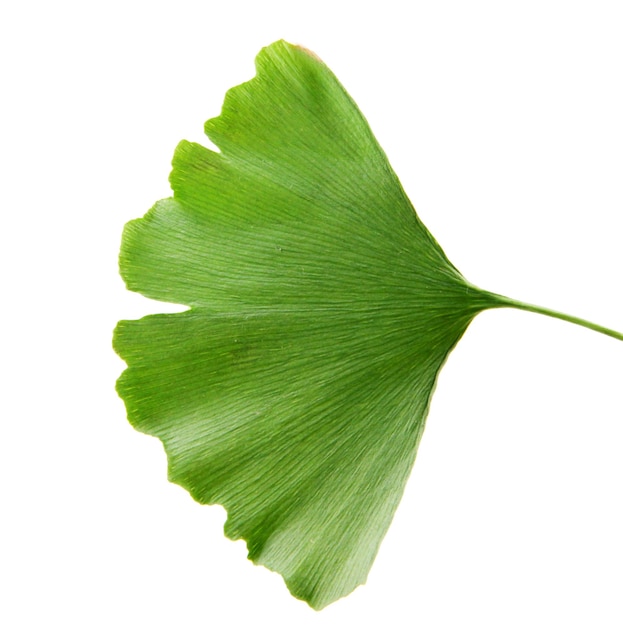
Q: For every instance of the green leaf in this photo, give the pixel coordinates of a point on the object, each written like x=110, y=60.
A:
x=295, y=389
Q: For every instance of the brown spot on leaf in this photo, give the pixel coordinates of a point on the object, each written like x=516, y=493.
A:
x=310, y=53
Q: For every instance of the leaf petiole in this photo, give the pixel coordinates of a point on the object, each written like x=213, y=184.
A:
x=509, y=302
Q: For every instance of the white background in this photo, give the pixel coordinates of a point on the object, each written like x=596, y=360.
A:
x=504, y=121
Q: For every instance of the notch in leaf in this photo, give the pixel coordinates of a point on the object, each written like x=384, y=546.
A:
x=295, y=389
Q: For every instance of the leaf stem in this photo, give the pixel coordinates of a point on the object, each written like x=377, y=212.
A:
x=508, y=302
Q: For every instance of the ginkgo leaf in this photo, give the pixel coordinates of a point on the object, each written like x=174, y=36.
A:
x=295, y=389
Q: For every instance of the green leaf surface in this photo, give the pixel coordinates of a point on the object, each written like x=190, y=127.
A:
x=295, y=389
